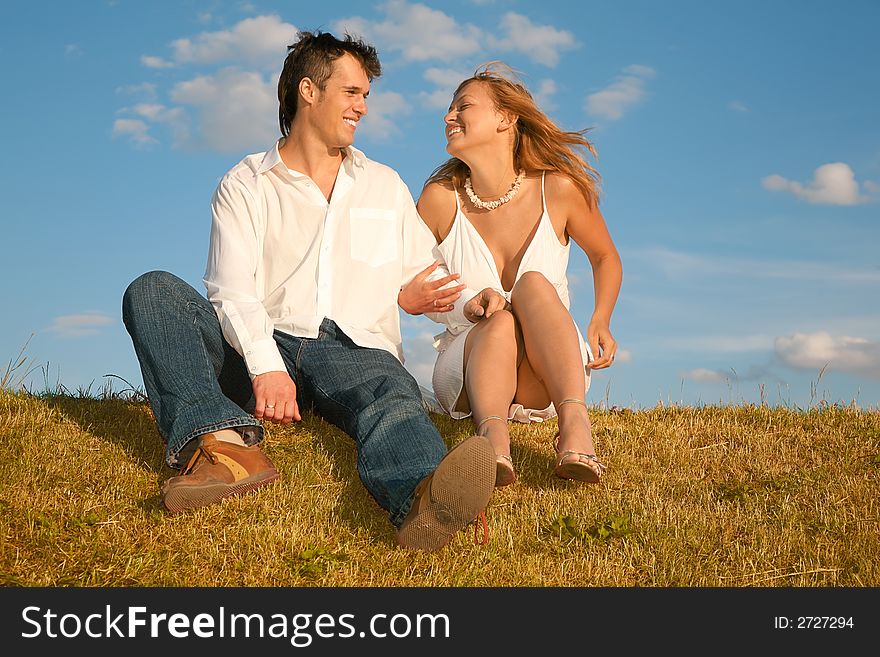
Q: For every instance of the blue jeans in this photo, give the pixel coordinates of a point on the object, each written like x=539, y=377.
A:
x=197, y=383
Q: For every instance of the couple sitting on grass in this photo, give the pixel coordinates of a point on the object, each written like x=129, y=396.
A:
x=313, y=247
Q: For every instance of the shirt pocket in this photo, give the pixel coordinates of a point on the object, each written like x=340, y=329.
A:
x=374, y=235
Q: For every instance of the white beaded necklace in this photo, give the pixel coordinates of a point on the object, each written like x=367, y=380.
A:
x=491, y=205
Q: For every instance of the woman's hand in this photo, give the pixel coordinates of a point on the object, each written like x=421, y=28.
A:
x=423, y=296
x=602, y=344
x=484, y=305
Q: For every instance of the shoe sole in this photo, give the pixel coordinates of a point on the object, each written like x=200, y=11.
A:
x=504, y=473
x=184, y=498
x=576, y=471
x=460, y=490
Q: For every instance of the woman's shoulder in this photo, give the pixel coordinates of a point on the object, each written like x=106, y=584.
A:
x=560, y=185
x=437, y=206
x=561, y=190
x=438, y=190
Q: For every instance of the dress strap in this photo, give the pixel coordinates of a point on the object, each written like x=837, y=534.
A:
x=543, y=198
x=457, y=200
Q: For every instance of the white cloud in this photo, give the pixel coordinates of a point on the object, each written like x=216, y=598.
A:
x=640, y=70
x=738, y=106
x=174, y=117
x=625, y=92
x=418, y=32
x=237, y=109
x=542, y=43
x=446, y=81
x=151, y=61
x=261, y=41
x=448, y=78
x=135, y=130
x=678, y=265
x=76, y=326
x=234, y=109
x=730, y=375
x=379, y=124
x=832, y=184
x=150, y=111
x=816, y=350
x=145, y=89
x=544, y=95
x=715, y=344
x=702, y=375
x=72, y=50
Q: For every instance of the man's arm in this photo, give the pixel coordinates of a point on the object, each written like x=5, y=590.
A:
x=434, y=215
x=230, y=280
x=430, y=291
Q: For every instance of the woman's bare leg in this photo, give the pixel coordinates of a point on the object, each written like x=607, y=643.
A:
x=490, y=375
x=553, y=358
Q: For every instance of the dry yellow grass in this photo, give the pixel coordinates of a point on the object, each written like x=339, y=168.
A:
x=713, y=496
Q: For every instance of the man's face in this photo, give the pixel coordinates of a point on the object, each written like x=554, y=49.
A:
x=342, y=103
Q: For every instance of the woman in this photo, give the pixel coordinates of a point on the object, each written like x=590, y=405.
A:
x=503, y=211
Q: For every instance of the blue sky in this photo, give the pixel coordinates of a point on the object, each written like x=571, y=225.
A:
x=737, y=142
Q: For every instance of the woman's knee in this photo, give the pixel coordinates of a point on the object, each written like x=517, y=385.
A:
x=500, y=328
x=500, y=324
x=532, y=283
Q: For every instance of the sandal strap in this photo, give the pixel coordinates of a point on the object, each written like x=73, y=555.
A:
x=505, y=457
x=571, y=400
x=490, y=417
x=591, y=457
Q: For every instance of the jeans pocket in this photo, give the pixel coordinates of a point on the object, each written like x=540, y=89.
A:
x=374, y=235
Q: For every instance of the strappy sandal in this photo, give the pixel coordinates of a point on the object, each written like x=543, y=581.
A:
x=504, y=472
x=586, y=467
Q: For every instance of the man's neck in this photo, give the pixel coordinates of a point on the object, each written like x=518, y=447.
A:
x=313, y=158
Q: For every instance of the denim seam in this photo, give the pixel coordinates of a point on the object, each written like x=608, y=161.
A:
x=297, y=361
x=398, y=518
x=327, y=396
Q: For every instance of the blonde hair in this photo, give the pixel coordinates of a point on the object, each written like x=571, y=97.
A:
x=539, y=144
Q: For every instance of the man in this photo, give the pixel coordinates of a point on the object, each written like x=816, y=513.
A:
x=311, y=243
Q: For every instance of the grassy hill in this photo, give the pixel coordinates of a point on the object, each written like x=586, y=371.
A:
x=712, y=496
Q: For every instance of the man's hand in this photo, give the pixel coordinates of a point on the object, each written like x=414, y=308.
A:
x=275, y=393
x=423, y=296
x=484, y=305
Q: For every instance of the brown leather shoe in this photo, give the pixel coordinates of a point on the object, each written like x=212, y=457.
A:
x=450, y=498
x=217, y=469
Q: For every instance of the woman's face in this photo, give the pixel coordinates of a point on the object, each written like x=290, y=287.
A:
x=472, y=119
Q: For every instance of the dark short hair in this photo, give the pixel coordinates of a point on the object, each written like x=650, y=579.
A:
x=312, y=57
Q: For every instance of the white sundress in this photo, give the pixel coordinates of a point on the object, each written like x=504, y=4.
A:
x=465, y=252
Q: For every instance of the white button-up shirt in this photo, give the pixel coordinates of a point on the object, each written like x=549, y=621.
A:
x=282, y=257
